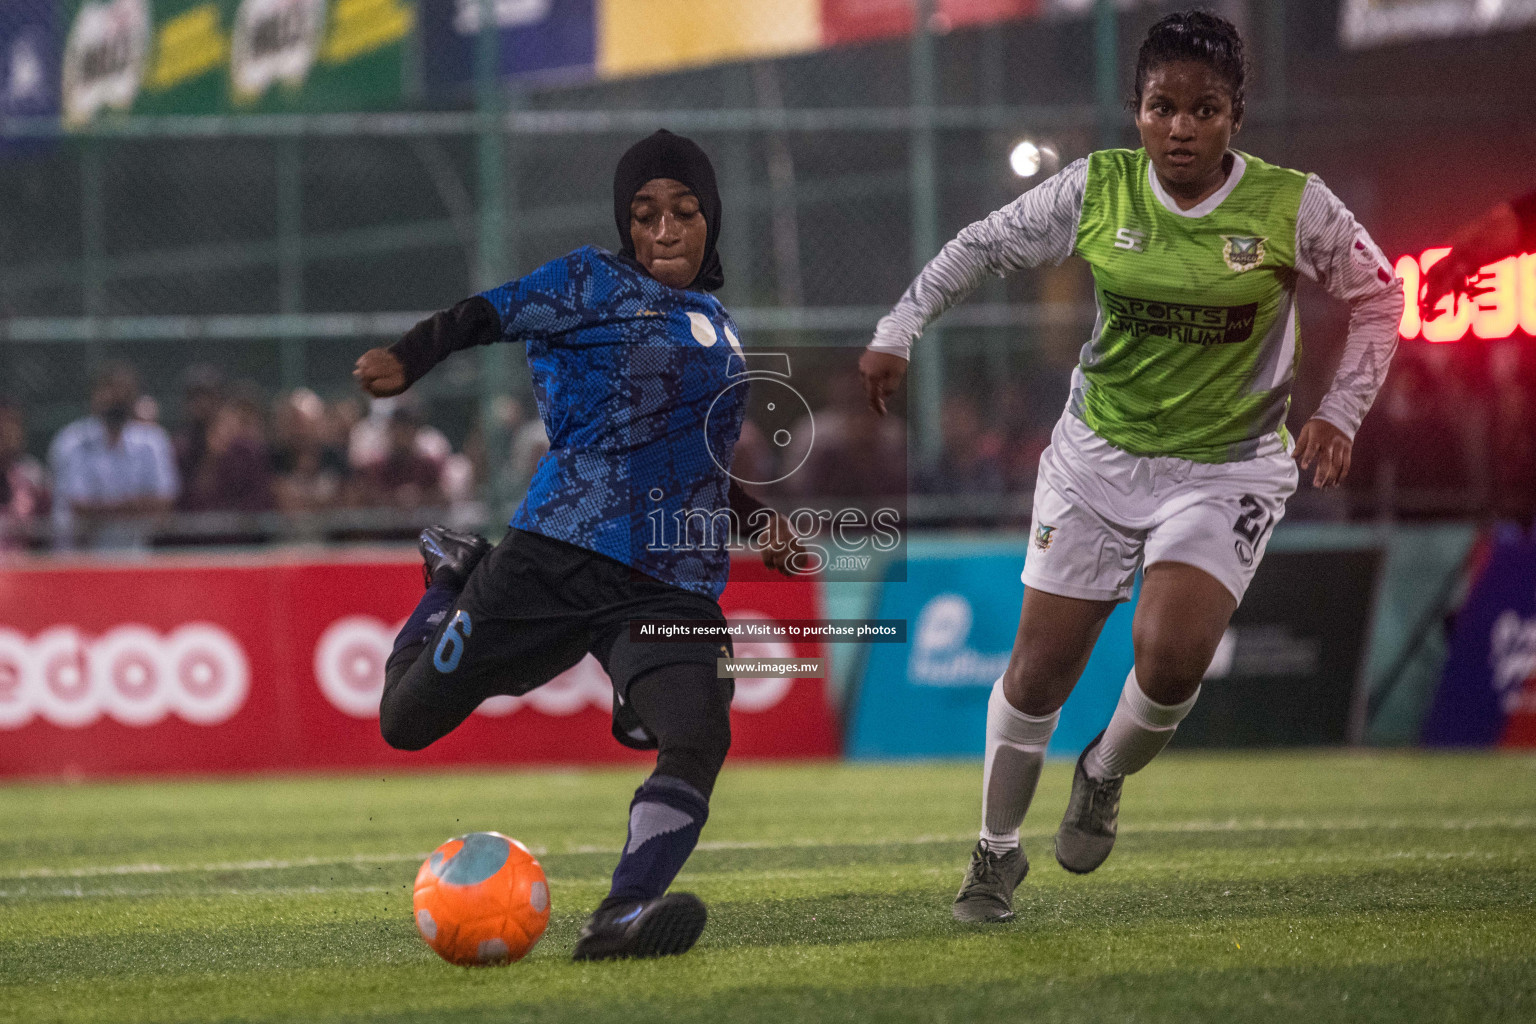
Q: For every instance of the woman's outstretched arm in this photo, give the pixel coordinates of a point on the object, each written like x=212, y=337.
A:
x=1038, y=228
x=389, y=371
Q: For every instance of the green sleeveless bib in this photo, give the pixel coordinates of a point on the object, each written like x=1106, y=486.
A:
x=1195, y=346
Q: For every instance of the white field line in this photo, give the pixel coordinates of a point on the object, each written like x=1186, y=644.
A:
x=1385, y=857
x=1163, y=866
x=214, y=868
x=81, y=892
x=78, y=891
x=1228, y=826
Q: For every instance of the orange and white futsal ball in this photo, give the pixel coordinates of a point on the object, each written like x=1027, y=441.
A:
x=481, y=900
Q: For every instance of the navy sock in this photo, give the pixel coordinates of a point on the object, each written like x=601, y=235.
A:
x=424, y=620
x=665, y=819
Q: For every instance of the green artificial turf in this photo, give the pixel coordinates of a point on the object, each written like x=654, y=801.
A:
x=1276, y=887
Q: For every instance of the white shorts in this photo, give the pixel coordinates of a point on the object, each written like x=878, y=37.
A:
x=1101, y=513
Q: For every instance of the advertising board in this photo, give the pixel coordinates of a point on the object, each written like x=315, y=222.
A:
x=928, y=698
x=1286, y=674
x=1487, y=693
x=242, y=665
x=1288, y=670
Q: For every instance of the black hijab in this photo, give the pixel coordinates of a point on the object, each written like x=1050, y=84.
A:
x=664, y=155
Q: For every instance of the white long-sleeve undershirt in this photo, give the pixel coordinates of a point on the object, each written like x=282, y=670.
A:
x=1040, y=228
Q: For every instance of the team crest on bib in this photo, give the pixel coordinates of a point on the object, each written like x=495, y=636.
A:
x=1243, y=252
x=1044, y=535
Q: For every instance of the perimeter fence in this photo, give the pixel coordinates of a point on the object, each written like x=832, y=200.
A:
x=278, y=247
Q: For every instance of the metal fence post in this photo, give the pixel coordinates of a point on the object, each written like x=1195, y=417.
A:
x=928, y=385
x=1106, y=67
x=93, y=235
x=491, y=257
x=1274, y=64
x=293, y=350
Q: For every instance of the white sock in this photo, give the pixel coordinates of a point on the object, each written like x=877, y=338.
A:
x=1016, y=745
x=1139, y=729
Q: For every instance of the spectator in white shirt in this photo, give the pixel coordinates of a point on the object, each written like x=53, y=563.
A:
x=112, y=474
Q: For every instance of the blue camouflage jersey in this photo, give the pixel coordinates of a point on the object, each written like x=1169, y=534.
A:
x=637, y=384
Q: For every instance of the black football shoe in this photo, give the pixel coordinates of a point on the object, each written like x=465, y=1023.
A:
x=986, y=895
x=665, y=926
x=448, y=556
x=1087, y=832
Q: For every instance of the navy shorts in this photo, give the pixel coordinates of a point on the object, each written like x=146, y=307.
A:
x=534, y=607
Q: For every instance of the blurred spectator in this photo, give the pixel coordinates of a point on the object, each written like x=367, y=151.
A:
x=752, y=460
x=343, y=417
x=23, y=485
x=234, y=473
x=1412, y=452
x=457, y=480
x=1026, y=439
x=853, y=452
x=111, y=473
x=369, y=440
x=971, y=460
x=404, y=477
x=202, y=391
x=1512, y=436
x=529, y=443
x=146, y=409
x=309, y=463
x=525, y=444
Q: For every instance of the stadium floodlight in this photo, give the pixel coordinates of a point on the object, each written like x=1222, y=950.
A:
x=1029, y=158
x=1025, y=158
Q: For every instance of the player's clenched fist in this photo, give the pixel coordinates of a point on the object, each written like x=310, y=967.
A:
x=380, y=373
x=882, y=373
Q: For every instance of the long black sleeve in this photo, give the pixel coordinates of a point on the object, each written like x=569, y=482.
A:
x=472, y=322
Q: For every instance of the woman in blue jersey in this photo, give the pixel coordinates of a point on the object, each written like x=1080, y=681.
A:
x=628, y=354
x=1172, y=454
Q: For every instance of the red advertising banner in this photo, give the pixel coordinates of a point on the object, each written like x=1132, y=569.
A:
x=234, y=665
x=852, y=21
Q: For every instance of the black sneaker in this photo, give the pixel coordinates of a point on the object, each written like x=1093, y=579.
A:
x=986, y=895
x=665, y=926
x=1087, y=832
x=448, y=556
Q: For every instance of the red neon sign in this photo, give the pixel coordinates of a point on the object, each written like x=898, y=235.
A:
x=1505, y=306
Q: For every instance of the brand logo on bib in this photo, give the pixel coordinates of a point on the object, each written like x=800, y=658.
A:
x=1180, y=321
x=1243, y=252
x=1132, y=239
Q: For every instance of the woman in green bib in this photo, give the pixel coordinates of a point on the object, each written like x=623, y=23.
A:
x=1172, y=454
